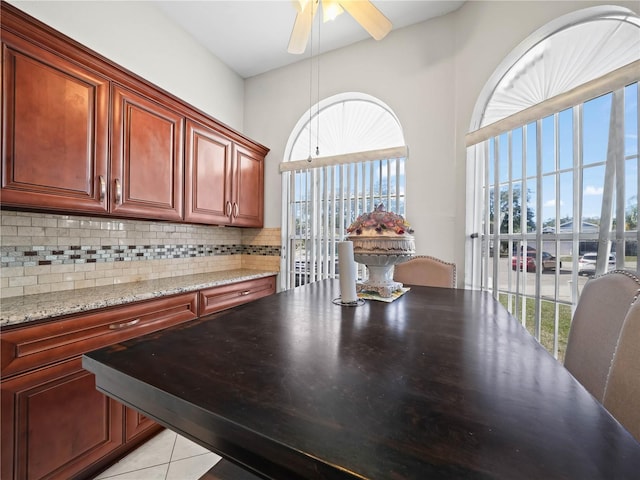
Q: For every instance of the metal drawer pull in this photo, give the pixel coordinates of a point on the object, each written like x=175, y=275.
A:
x=103, y=188
x=228, y=209
x=245, y=293
x=235, y=209
x=118, y=326
x=118, y=192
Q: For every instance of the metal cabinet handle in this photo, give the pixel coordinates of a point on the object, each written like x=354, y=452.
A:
x=235, y=209
x=245, y=293
x=118, y=192
x=103, y=188
x=228, y=209
x=118, y=326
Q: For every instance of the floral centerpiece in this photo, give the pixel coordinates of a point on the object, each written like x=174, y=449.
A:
x=380, y=221
x=381, y=240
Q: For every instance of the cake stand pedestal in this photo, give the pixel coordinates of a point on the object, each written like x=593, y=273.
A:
x=380, y=270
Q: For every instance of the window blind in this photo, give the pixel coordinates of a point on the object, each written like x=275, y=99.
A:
x=322, y=201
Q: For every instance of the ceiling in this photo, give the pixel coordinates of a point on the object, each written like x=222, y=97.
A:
x=251, y=37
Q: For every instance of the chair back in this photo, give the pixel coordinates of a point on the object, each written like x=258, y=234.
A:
x=596, y=326
x=622, y=392
x=426, y=271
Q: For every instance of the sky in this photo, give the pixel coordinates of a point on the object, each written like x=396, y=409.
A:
x=595, y=121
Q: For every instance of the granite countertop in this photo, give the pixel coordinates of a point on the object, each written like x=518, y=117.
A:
x=29, y=308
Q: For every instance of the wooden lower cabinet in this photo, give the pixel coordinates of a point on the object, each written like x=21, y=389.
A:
x=220, y=298
x=54, y=424
x=136, y=424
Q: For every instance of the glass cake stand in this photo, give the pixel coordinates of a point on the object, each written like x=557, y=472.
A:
x=380, y=269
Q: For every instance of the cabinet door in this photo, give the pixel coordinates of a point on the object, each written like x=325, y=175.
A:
x=147, y=158
x=55, y=131
x=55, y=423
x=207, y=179
x=136, y=424
x=248, y=188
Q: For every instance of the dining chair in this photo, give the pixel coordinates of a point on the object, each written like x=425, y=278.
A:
x=426, y=271
x=622, y=392
x=595, y=328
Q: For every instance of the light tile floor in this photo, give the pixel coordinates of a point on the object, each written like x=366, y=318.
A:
x=167, y=456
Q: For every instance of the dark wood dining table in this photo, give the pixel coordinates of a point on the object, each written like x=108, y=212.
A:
x=440, y=383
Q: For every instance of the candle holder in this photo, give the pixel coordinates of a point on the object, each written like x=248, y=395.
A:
x=357, y=303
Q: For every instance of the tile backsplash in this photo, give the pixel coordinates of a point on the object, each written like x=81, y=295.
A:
x=46, y=253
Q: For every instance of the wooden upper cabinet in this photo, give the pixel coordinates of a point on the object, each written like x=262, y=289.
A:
x=224, y=181
x=146, y=158
x=248, y=188
x=55, y=131
x=207, y=183
x=82, y=135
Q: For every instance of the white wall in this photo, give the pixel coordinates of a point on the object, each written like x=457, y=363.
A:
x=413, y=80
x=139, y=37
x=430, y=74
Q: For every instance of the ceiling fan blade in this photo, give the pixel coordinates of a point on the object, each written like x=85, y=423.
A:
x=367, y=15
x=302, y=28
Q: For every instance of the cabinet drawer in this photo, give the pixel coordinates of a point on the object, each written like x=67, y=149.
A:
x=32, y=346
x=220, y=298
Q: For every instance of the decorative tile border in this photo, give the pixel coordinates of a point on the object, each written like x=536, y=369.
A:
x=31, y=256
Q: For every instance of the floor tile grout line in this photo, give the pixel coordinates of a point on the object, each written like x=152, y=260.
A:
x=198, y=455
x=167, y=463
x=191, y=456
x=137, y=470
x=175, y=440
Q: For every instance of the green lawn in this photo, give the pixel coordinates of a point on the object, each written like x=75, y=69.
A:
x=547, y=325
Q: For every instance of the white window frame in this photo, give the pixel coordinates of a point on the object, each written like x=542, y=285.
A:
x=482, y=270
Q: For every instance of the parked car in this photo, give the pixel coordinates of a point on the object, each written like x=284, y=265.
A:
x=587, y=263
x=530, y=261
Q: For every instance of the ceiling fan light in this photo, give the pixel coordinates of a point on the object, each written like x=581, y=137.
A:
x=330, y=10
x=300, y=4
x=302, y=28
x=369, y=17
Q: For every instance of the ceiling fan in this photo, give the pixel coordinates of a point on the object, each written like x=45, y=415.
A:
x=363, y=11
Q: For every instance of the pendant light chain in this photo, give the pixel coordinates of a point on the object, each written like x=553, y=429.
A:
x=318, y=87
x=310, y=82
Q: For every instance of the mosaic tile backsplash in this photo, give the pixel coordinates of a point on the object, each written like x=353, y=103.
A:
x=45, y=253
x=31, y=256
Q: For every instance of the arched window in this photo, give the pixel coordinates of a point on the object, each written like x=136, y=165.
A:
x=564, y=55
x=345, y=156
x=553, y=164
x=349, y=122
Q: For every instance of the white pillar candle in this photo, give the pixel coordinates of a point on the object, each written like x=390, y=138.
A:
x=347, y=269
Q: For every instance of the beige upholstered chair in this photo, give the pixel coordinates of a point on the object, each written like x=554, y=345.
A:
x=426, y=271
x=622, y=392
x=595, y=328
